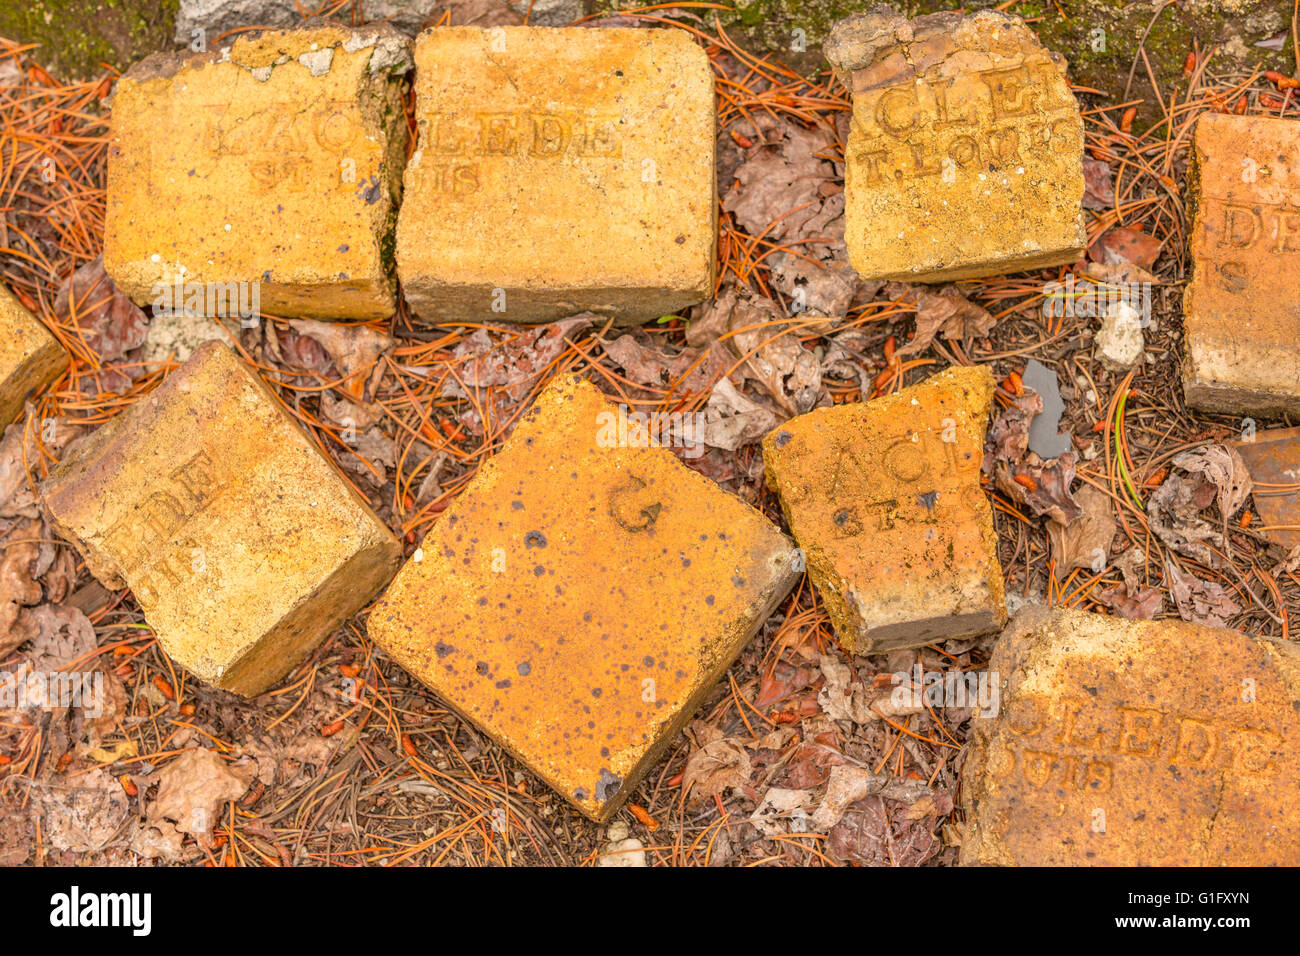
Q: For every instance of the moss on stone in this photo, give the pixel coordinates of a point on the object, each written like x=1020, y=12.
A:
x=1098, y=60
x=76, y=36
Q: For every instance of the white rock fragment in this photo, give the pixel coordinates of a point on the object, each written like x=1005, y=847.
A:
x=1119, y=340
x=621, y=850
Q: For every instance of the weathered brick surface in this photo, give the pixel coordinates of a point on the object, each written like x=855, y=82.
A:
x=965, y=154
x=559, y=170
x=243, y=544
x=884, y=499
x=1121, y=743
x=1241, y=310
x=580, y=598
x=277, y=160
x=30, y=357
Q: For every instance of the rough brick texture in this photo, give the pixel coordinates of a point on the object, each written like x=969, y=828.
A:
x=1125, y=743
x=244, y=545
x=884, y=499
x=581, y=597
x=559, y=170
x=275, y=161
x=965, y=154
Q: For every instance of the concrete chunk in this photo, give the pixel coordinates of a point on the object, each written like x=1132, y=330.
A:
x=559, y=170
x=30, y=357
x=1135, y=743
x=244, y=545
x=582, y=596
x=274, y=163
x=1241, y=309
x=965, y=154
x=885, y=501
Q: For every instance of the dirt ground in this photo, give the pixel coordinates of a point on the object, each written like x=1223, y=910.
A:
x=351, y=762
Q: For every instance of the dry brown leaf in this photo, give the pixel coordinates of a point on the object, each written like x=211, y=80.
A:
x=1201, y=602
x=1084, y=542
x=193, y=789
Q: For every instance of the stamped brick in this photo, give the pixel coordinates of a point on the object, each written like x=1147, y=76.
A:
x=559, y=170
x=1241, y=309
x=582, y=596
x=1123, y=743
x=965, y=153
x=884, y=499
x=30, y=357
x=244, y=545
x=275, y=161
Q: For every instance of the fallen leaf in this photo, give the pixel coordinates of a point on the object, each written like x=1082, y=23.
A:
x=1174, y=513
x=84, y=813
x=1222, y=466
x=1085, y=541
x=783, y=810
x=789, y=190
x=1198, y=601
x=1124, y=244
x=866, y=835
x=945, y=311
x=354, y=350
x=753, y=329
x=1098, y=187
x=849, y=784
x=1139, y=604
x=108, y=320
x=513, y=359
x=715, y=768
x=1050, y=493
x=731, y=420
x=193, y=790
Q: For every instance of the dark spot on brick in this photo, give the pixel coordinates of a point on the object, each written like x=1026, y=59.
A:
x=534, y=539
x=524, y=669
x=442, y=649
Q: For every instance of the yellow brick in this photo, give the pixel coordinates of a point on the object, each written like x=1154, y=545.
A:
x=243, y=544
x=559, y=170
x=1241, y=309
x=885, y=501
x=581, y=597
x=243, y=166
x=1134, y=743
x=30, y=357
x=965, y=154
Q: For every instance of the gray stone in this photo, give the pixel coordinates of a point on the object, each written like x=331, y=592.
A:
x=1045, y=438
x=215, y=17
x=549, y=13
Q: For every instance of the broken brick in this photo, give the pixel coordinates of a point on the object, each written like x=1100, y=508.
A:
x=30, y=357
x=1241, y=308
x=965, y=153
x=275, y=162
x=884, y=499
